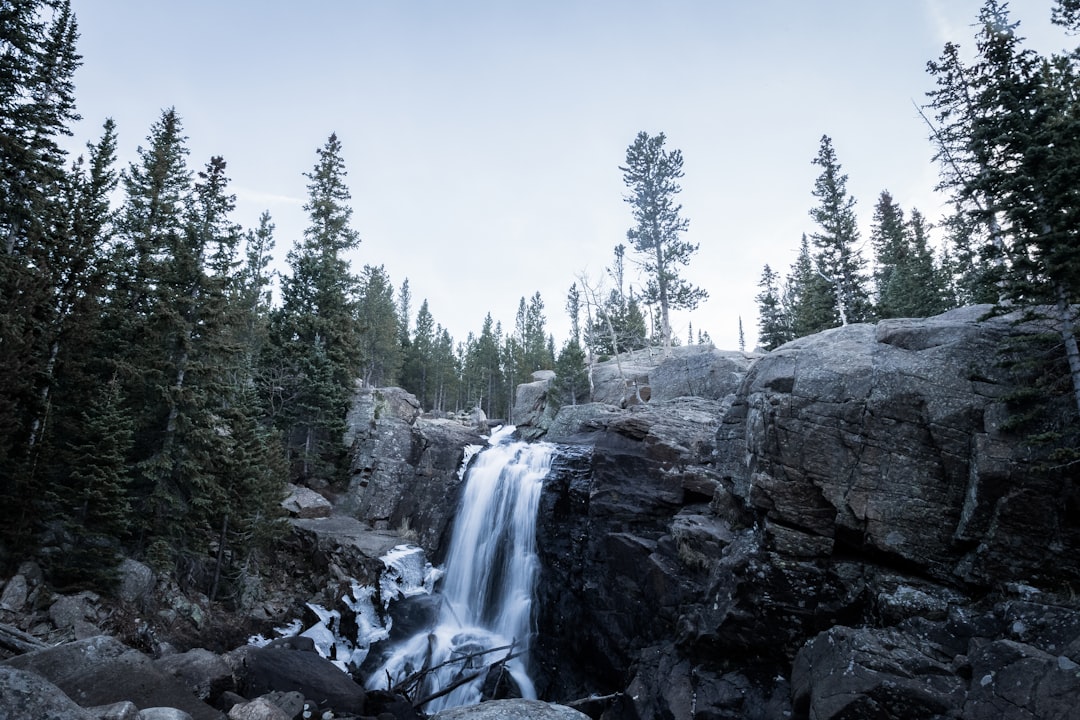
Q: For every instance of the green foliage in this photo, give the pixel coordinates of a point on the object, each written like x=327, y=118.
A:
x=571, y=385
x=1008, y=137
x=837, y=259
x=808, y=300
x=908, y=282
x=774, y=324
x=651, y=174
x=379, y=328
x=316, y=346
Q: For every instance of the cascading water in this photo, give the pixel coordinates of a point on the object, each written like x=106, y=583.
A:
x=491, y=572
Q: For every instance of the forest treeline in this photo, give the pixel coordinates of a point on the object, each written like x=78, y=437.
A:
x=160, y=383
x=155, y=395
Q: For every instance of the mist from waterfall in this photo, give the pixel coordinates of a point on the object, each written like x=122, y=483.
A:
x=491, y=572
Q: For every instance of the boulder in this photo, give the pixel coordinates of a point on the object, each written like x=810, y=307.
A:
x=101, y=670
x=259, y=709
x=204, y=672
x=16, y=591
x=699, y=371
x=316, y=678
x=515, y=709
x=136, y=581
x=531, y=412
x=28, y=696
x=115, y=711
x=305, y=503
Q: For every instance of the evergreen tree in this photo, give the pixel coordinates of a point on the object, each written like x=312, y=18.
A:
x=908, y=282
x=774, y=324
x=37, y=65
x=808, y=299
x=483, y=370
x=1008, y=136
x=573, y=311
x=837, y=258
x=417, y=377
x=315, y=332
x=93, y=500
x=380, y=327
x=571, y=385
x=651, y=174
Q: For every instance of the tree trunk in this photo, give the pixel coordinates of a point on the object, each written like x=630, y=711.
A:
x=1067, y=329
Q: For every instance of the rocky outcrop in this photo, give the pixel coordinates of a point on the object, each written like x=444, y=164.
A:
x=844, y=536
x=404, y=465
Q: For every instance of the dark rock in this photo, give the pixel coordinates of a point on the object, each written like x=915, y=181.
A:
x=27, y=696
x=101, y=670
x=390, y=706
x=404, y=467
x=852, y=674
x=314, y=677
x=1014, y=681
x=201, y=670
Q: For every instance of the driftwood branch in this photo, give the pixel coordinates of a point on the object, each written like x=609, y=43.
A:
x=15, y=640
x=400, y=687
x=593, y=699
x=464, y=680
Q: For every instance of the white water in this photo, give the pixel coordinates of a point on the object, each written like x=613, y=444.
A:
x=491, y=572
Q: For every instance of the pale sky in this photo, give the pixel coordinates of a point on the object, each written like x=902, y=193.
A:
x=483, y=137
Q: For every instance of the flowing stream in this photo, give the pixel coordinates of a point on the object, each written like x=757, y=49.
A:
x=491, y=571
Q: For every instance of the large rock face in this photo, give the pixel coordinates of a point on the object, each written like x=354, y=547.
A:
x=851, y=534
x=890, y=441
x=404, y=465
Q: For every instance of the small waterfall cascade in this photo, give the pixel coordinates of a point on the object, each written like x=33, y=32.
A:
x=490, y=575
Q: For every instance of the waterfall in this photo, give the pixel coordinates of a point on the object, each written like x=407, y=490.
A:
x=490, y=574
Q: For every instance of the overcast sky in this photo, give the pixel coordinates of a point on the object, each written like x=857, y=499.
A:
x=483, y=138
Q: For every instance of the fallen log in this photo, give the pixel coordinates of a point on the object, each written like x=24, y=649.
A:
x=15, y=640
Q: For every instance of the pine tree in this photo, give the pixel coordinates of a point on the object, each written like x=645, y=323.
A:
x=808, y=299
x=93, y=501
x=37, y=65
x=315, y=332
x=837, y=258
x=1007, y=134
x=380, y=327
x=571, y=385
x=651, y=174
x=774, y=324
x=417, y=377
